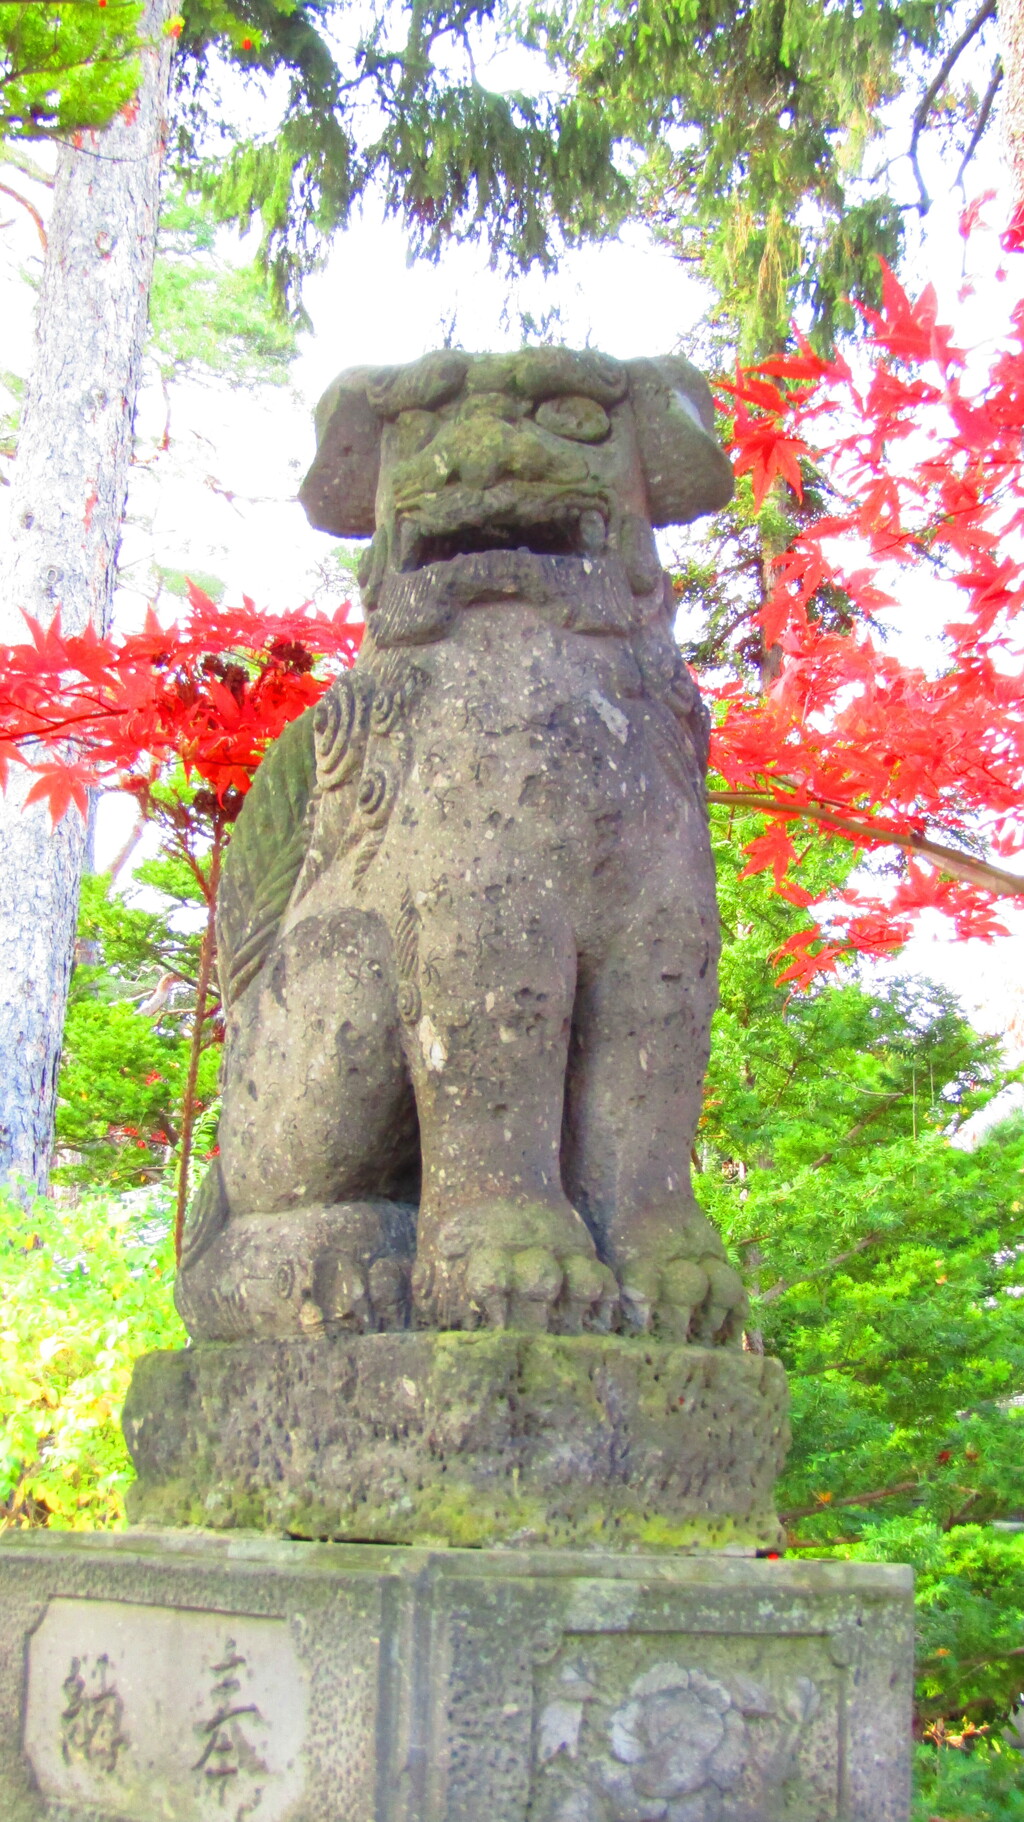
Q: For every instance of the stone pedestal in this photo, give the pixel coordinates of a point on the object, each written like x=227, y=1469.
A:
x=194, y=1678
x=587, y=1441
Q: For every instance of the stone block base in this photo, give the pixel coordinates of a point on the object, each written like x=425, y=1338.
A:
x=194, y=1678
x=587, y=1441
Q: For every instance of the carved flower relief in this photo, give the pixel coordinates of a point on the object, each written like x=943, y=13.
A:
x=678, y=1735
x=680, y=1746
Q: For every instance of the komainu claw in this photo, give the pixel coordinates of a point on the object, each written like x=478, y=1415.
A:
x=684, y=1299
x=639, y=1296
x=312, y=1270
x=503, y=1264
x=388, y=1286
x=536, y=1277
x=590, y=1298
x=341, y=1297
x=484, y=1292
x=721, y=1320
x=684, y=1287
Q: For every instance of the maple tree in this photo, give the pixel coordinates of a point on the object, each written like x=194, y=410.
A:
x=898, y=468
x=149, y=712
x=212, y=692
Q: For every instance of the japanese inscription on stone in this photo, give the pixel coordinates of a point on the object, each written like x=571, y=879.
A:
x=166, y=1716
x=228, y=1752
x=90, y=1726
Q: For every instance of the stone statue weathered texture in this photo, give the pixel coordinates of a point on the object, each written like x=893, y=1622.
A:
x=447, y=1278
x=467, y=926
x=448, y=1686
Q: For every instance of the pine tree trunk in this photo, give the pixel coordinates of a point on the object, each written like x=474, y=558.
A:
x=66, y=510
x=1011, y=32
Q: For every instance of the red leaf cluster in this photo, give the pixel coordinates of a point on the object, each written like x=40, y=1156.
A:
x=920, y=455
x=212, y=692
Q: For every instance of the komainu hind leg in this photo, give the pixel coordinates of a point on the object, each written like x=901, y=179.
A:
x=318, y=1104
x=320, y=1269
x=307, y=1222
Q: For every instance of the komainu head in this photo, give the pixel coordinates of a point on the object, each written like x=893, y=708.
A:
x=547, y=451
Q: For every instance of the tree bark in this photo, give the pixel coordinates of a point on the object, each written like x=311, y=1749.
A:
x=1011, y=33
x=66, y=511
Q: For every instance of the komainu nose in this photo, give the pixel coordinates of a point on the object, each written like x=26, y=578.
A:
x=489, y=450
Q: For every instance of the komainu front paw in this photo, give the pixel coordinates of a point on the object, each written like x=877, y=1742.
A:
x=685, y=1300
x=675, y=1283
x=329, y=1269
x=505, y=1265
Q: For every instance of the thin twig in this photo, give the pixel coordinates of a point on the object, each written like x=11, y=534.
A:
x=998, y=1657
x=188, y=1110
x=782, y=1285
x=125, y=853
x=16, y=196
x=817, y=1543
x=924, y=106
x=982, y=121
x=850, y=1499
x=874, y=1113
x=20, y=161
x=957, y=1517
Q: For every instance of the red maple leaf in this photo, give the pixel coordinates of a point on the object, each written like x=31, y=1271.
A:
x=60, y=786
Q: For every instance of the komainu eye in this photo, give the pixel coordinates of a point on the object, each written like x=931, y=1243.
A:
x=584, y=420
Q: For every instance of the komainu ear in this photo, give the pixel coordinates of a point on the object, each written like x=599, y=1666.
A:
x=339, y=493
x=686, y=472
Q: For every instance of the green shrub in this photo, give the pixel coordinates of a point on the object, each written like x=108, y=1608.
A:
x=84, y=1291
x=985, y=1784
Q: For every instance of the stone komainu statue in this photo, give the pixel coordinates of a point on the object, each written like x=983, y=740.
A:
x=467, y=925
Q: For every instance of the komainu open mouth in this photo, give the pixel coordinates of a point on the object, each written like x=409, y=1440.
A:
x=569, y=532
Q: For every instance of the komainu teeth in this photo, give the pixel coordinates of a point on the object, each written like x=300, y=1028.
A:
x=410, y=545
x=592, y=533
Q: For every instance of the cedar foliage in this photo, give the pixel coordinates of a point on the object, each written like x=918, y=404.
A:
x=757, y=129
x=65, y=66
x=746, y=135
x=385, y=101
x=206, y=313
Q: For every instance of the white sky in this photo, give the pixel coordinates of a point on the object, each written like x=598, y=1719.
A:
x=627, y=297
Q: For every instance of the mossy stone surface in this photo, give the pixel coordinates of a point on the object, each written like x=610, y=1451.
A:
x=494, y=1438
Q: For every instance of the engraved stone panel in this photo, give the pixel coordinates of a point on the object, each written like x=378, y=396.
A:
x=689, y=1729
x=164, y=1716
x=407, y=1685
